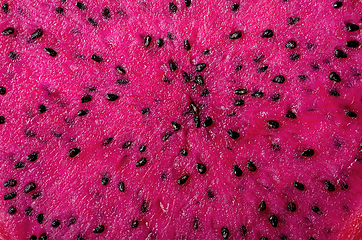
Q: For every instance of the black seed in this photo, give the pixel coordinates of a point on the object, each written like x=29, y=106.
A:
x=208, y=121
x=82, y=113
x=10, y=183
x=275, y=97
x=236, y=35
x=2, y=90
x=98, y=229
x=291, y=44
x=142, y=148
x=240, y=91
x=80, y=237
x=340, y=54
x=29, y=187
x=194, y=108
x=56, y=223
x=5, y=7
x=352, y=27
x=71, y=220
x=13, y=56
x=33, y=237
x=264, y=238
x=352, y=44
x=273, y=220
x=267, y=33
x=204, y=93
x=294, y=57
x=8, y=31
x=147, y=41
x=187, y=45
x=122, y=81
x=160, y=42
x=170, y=36
x=200, y=67
x=344, y=186
x=121, y=70
x=92, y=22
x=243, y=231
x=233, y=134
x=316, y=210
x=237, y=171
x=40, y=218
x=145, y=111
x=43, y=236
x=197, y=121
x=105, y=180
x=334, y=77
x=299, y=186
x=196, y=224
x=12, y=210
x=144, y=206
x=73, y=152
x=172, y=65
x=141, y=162
x=279, y=79
x=36, y=195
x=206, y=52
x=32, y=156
x=199, y=80
x=106, y=13
x=107, y=141
x=225, y=233
x=262, y=206
x=351, y=114
x=166, y=80
x=173, y=7
x=238, y=102
x=134, y=224
x=10, y=196
x=334, y=93
x=182, y=180
x=183, y=152
x=176, y=126
x=234, y=7
x=329, y=186
x=293, y=20
x=86, y=98
x=238, y=68
x=311, y=238
x=292, y=207
x=308, y=153
x=59, y=10
x=29, y=211
x=275, y=147
x=167, y=136
x=19, y=165
x=37, y=34
x=291, y=115
x=273, y=124
x=51, y=52
x=121, y=186
x=186, y=77
x=111, y=97
x=262, y=69
x=257, y=93
x=42, y=109
x=96, y=58
x=201, y=168
x=337, y=4
x=127, y=144
x=81, y=6
x=210, y=194
x=187, y=3
x=251, y=166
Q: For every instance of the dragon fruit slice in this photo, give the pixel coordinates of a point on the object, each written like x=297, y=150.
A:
x=189, y=119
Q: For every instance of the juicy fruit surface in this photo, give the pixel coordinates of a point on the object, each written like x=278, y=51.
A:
x=82, y=156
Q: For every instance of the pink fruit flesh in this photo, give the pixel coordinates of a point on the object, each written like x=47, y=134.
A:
x=72, y=186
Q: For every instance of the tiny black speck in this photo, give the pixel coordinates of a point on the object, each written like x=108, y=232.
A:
x=235, y=35
x=316, y=210
x=19, y=165
x=262, y=206
x=235, y=7
x=43, y=236
x=29, y=187
x=127, y=144
x=99, y=229
x=97, y=58
x=352, y=44
x=121, y=186
x=329, y=186
x=82, y=113
x=5, y=7
x=187, y=45
x=73, y=152
x=8, y=31
x=173, y=7
x=337, y=4
x=233, y=134
x=59, y=10
x=160, y=42
x=340, y=53
x=351, y=114
x=141, y=162
x=2, y=90
x=299, y=186
x=40, y=218
x=201, y=168
x=258, y=94
x=352, y=27
x=262, y=69
x=200, y=67
x=105, y=180
x=29, y=211
x=33, y=156
x=273, y=124
x=293, y=20
x=183, y=152
x=37, y=33
x=112, y=97
x=182, y=180
x=81, y=6
x=273, y=220
x=225, y=233
x=308, y=153
x=251, y=166
x=291, y=207
x=142, y=148
x=51, y=52
x=106, y=13
x=199, y=80
x=10, y=183
x=291, y=44
x=334, y=77
x=147, y=41
x=121, y=70
x=237, y=171
x=56, y=223
x=208, y=121
x=172, y=65
x=197, y=121
x=291, y=115
x=279, y=79
x=134, y=224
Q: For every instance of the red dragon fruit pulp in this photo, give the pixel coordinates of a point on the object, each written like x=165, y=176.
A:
x=180, y=119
